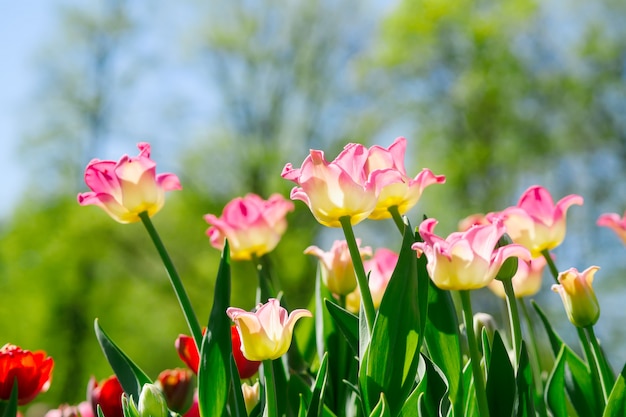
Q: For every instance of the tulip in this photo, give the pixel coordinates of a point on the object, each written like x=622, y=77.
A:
x=396, y=187
x=189, y=354
x=337, y=269
x=615, y=223
x=526, y=281
x=336, y=189
x=108, y=395
x=465, y=260
x=536, y=222
x=265, y=334
x=579, y=299
x=31, y=370
x=251, y=395
x=152, y=402
x=178, y=387
x=380, y=267
x=471, y=220
x=126, y=188
x=65, y=410
x=253, y=226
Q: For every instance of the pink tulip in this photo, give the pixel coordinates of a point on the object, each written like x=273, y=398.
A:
x=526, y=281
x=266, y=333
x=253, y=226
x=614, y=222
x=337, y=268
x=471, y=220
x=127, y=188
x=579, y=299
x=396, y=187
x=380, y=268
x=536, y=222
x=465, y=260
x=336, y=189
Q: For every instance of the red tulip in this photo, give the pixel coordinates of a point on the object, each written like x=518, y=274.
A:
x=32, y=370
x=107, y=394
x=189, y=354
x=178, y=386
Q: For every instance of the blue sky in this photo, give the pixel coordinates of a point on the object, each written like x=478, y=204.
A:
x=24, y=25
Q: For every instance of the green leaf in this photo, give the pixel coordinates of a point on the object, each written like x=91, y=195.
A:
x=555, y=386
x=214, y=370
x=442, y=339
x=9, y=408
x=578, y=380
x=346, y=322
x=131, y=377
x=393, y=351
x=525, y=388
x=382, y=408
x=501, y=385
x=470, y=405
x=237, y=403
x=616, y=405
x=316, y=405
x=434, y=385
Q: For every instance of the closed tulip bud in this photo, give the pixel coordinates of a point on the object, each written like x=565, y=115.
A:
x=579, y=299
x=487, y=322
x=178, y=386
x=251, y=395
x=509, y=267
x=152, y=402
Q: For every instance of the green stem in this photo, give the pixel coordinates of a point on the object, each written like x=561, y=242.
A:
x=397, y=218
x=177, y=284
x=598, y=357
x=535, y=362
x=265, y=289
x=479, y=380
x=359, y=270
x=516, y=329
x=551, y=265
x=271, y=409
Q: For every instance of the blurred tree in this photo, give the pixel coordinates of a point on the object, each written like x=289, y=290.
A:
x=498, y=89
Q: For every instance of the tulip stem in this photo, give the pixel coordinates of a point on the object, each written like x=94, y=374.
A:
x=177, y=284
x=477, y=371
x=535, y=360
x=596, y=366
x=397, y=218
x=359, y=270
x=516, y=329
x=553, y=270
x=270, y=390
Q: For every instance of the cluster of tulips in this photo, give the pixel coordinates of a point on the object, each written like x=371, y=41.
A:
x=387, y=340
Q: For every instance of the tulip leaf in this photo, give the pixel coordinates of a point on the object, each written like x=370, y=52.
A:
x=393, y=351
x=470, y=405
x=346, y=322
x=382, y=408
x=525, y=388
x=555, y=386
x=578, y=380
x=9, y=408
x=434, y=385
x=442, y=339
x=616, y=405
x=131, y=377
x=501, y=385
x=214, y=370
x=316, y=404
x=237, y=403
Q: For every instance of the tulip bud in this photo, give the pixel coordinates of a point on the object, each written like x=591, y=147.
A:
x=509, y=267
x=251, y=395
x=128, y=408
x=579, y=299
x=152, y=402
x=177, y=385
x=487, y=322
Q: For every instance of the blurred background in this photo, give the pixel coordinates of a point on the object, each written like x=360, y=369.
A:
x=497, y=96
